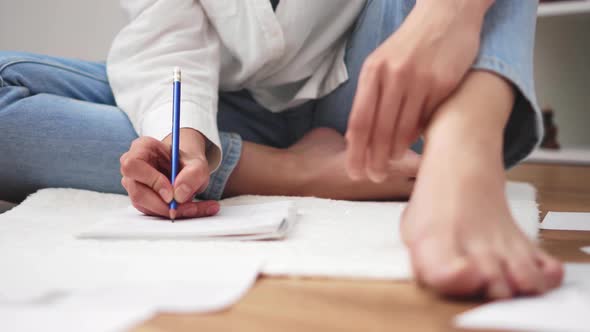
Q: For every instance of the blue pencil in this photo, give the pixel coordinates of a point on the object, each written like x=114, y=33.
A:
x=175, y=136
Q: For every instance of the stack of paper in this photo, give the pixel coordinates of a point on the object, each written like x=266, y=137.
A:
x=241, y=222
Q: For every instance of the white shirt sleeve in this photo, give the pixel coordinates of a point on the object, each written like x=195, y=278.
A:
x=163, y=34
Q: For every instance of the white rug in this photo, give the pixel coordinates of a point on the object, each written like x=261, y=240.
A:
x=337, y=239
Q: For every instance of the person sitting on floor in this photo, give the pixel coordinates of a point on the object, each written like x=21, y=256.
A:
x=361, y=100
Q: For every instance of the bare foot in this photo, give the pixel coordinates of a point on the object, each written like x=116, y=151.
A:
x=321, y=157
x=463, y=240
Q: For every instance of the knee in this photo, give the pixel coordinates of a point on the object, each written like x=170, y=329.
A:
x=14, y=67
x=388, y=11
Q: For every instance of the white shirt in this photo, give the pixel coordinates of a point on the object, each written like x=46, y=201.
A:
x=283, y=58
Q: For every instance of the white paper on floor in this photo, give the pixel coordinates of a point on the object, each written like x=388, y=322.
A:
x=66, y=292
x=71, y=319
x=573, y=221
x=120, y=308
x=269, y=221
x=586, y=250
x=564, y=309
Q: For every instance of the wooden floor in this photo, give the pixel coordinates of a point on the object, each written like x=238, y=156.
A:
x=276, y=304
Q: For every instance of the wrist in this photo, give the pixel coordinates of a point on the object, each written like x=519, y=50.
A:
x=192, y=142
x=467, y=10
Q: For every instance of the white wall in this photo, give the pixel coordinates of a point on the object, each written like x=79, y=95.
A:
x=562, y=71
x=71, y=28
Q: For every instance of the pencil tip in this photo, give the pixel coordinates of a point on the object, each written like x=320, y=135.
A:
x=172, y=215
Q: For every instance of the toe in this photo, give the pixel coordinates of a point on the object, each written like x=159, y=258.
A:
x=439, y=266
x=491, y=267
x=552, y=269
x=524, y=274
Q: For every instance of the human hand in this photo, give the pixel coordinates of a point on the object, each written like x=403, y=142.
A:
x=146, y=168
x=404, y=80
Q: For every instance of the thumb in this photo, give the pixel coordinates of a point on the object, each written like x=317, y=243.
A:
x=408, y=165
x=193, y=177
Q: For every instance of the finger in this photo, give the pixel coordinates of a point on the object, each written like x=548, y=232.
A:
x=122, y=159
x=144, y=198
x=150, y=144
x=144, y=173
x=361, y=120
x=408, y=165
x=146, y=211
x=124, y=182
x=490, y=266
x=524, y=274
x=380, y=145
x=193, y=176
x=198, y=209
x=202, y=188
x=551, y=268
x=151, y=151
x=408, y=122
x=440, y=266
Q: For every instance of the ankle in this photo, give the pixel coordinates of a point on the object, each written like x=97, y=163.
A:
x=292, y=168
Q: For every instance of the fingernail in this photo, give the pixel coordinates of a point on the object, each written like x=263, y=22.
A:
x=377, y=177
x=166, y=195
x=353, y=174
x=181, y=193
x=213, y=209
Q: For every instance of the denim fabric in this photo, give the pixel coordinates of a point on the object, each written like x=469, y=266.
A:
x=507, y=45
x=60, y=127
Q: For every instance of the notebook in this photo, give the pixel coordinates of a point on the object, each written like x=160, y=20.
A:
x=265, y=221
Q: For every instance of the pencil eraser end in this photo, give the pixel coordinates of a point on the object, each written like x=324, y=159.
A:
x=177, y=73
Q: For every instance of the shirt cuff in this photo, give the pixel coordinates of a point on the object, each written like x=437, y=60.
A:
x=157, y=123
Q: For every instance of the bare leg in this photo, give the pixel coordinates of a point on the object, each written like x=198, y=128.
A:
x=314, y=166
x=460, y=232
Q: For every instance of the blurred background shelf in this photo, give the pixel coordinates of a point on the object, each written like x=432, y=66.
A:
x=568, y=156
x=562, y=73
x=564, y=8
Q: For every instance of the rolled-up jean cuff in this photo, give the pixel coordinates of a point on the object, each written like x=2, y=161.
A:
x=232, y=149
x=524, y=129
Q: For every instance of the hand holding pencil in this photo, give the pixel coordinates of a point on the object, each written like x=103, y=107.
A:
x=147, y=169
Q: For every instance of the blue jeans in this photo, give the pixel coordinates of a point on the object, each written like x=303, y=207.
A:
x=60, y=126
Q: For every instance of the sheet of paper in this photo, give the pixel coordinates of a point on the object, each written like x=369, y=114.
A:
x=565, y=309
x=586, y=250
x=71, y=319
x=260, y=221
x=29, y=279
x=575, y=221
x=117, y=304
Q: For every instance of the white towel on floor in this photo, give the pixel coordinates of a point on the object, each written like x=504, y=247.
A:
x=330, y=239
